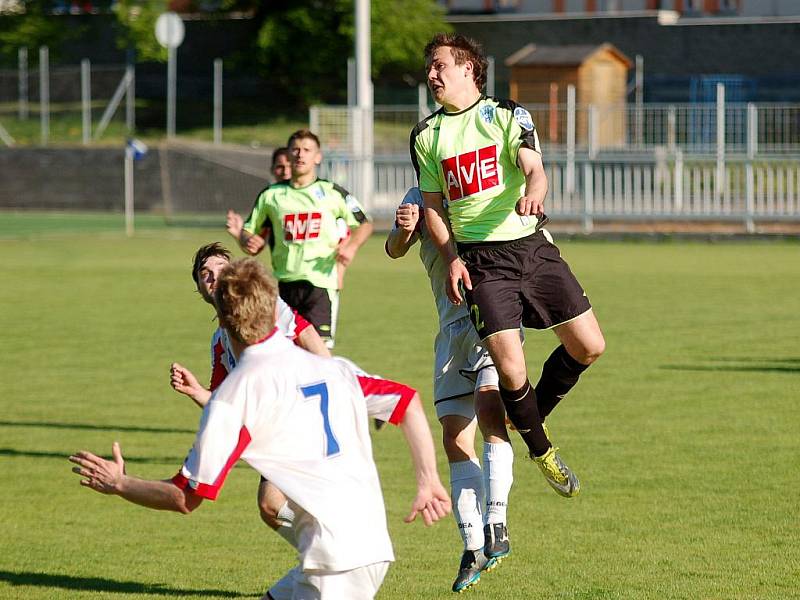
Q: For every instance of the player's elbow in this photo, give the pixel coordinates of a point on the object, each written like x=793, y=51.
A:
x=188, y=503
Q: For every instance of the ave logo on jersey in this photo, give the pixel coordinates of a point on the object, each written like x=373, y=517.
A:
x=302, y=226
x=471, y=172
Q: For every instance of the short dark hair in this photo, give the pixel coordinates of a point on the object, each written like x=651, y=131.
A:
x=204, y=253
x=282, y=151
x=463, y=49
x=303, y=134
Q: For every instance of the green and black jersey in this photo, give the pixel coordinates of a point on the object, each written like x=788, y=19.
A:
x=304, y=229
x=470, y=157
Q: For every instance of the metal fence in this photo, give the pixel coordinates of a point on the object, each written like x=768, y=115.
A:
x=692, y=128
x=712, y=162
x=672, y=187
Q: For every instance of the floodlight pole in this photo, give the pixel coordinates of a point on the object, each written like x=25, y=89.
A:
x=172, y=69
x=364, y=97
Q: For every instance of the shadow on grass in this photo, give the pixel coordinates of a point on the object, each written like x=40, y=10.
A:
x=157, y=460
x=98, y=584
x=745, y=365
x=126, y=428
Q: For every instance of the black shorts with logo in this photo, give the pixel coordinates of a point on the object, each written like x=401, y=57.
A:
x=317, y=305
x=520, y=281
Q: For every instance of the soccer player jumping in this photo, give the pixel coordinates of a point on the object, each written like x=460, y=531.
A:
x=480, y=171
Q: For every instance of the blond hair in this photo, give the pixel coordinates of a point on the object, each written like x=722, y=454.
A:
x=245, y=299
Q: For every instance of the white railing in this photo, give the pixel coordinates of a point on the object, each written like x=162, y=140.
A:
x=693, y=128
x=663, y=187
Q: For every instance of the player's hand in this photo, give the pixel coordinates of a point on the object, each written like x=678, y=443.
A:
x=528, y=205
x=407, y=217
x=432, y=502
x=457, y=273
x=183, y=381
x=101, y=475
x=255, y=244
x=234, y=223
x=345, y=253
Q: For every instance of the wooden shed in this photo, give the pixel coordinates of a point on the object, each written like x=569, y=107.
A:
x=540, y=76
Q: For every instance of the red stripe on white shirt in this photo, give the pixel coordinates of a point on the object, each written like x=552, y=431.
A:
x=211, y=491
x=386, y=387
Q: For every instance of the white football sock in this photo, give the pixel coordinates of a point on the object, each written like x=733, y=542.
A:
x=498, y=461
x=466, y=489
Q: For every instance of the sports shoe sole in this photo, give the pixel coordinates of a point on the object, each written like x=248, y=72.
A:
x=490, y=566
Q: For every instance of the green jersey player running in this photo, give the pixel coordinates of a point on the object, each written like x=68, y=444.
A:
x=481, y=156
x=305, y=240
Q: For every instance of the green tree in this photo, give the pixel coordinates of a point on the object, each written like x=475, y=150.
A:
x=32, y=28
x=304, y=45
x=137, y=21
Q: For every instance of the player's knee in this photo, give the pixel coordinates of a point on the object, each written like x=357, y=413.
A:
x=458, y=446
x=592, y=350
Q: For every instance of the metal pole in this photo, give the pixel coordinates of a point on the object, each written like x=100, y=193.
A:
x=86, y=100
x=588, y=197
x=218, y=101
x=352, y=91
x=364, y=95
x=130, y=99
x=639, y=100
x=594, y=127
x=570, y=183
x=22, y=61
x=490, y=76
x=423, y=110
x=128, y=190
x=671, y=126
x=720, y=178
x=171, y=76
x=678, y=182
x=44, y=93
x=752, y=149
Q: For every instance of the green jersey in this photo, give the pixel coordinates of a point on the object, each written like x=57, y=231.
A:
x=470, y=157
x=304, y=230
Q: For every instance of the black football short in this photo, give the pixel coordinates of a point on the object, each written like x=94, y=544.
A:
x=318, y=305
x=520, y=281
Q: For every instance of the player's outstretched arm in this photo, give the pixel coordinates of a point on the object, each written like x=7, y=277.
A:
x=439, y=230
x=432, y=500
x=109, y=477
x=403, y=236
x=183, y=381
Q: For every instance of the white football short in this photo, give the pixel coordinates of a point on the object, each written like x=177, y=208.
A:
x=462, y=365
x=357, y=584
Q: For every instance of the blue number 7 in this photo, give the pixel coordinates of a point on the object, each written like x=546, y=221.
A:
x=321, y=390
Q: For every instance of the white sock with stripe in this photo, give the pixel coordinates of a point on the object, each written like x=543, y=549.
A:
x=498, y=461
x=466, y=489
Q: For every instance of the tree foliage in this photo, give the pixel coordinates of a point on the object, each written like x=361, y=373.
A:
x=306, y=44
x=31, y=28
x=137, y=22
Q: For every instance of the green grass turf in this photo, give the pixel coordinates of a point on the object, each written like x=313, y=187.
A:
x=684, y=435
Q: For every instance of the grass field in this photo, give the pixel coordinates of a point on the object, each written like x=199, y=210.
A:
x=685, y=434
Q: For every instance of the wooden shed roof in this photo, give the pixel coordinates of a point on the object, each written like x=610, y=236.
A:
x=571, y=55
